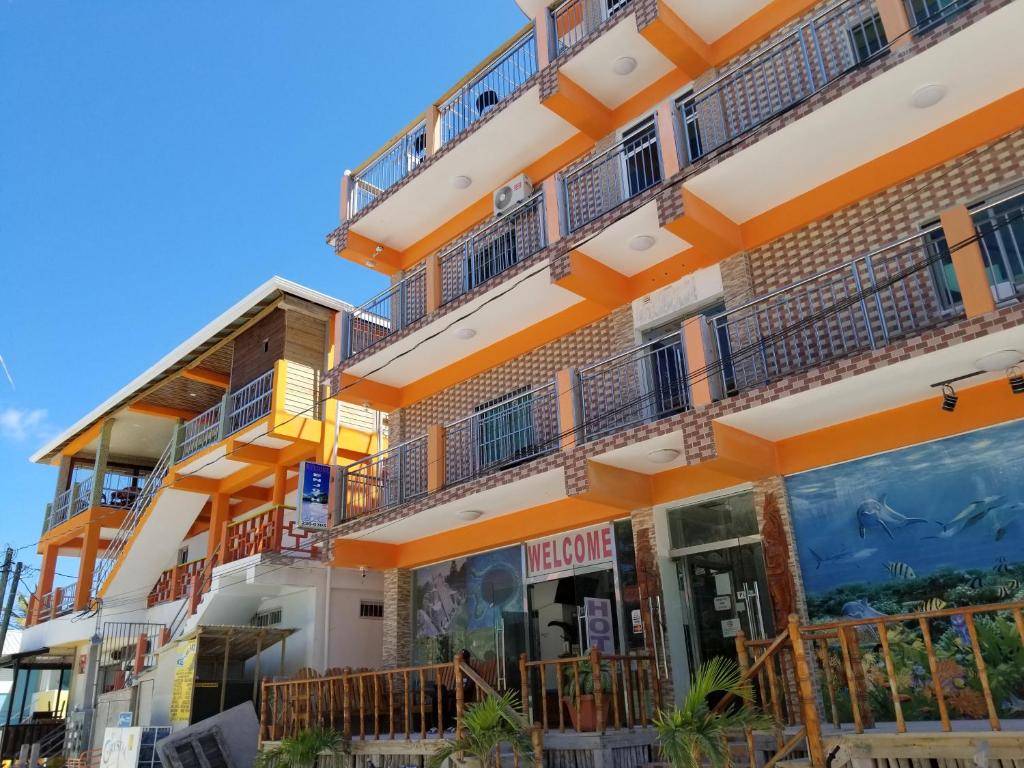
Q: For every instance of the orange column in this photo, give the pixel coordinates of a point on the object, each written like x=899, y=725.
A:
x=46, y=570
x=894, y=21
x=220, y=516
x=968, y=263
x=552, y=212
x=542, y=26
x=565, y=390
x=433, y=279
x=668, y=140
x=433, y=120
x=86, y=565
x=696, y=361
x=435, y=458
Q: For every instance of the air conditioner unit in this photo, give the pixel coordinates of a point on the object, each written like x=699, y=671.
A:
x=511, y=194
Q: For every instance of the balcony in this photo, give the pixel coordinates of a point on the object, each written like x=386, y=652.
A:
x=235, y=412
x=387, y=479
x=119, y=490
x=52, y=605
x=574, y=21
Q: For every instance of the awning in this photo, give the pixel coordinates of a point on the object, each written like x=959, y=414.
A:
x=40, y=658
x=242, y=642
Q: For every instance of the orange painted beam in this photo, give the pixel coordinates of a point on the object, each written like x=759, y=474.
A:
x=743, y=454
x=205, y=376
x=253, y=454
x=578, y=108
x=594, y=281
x=359, y=553
x=677, y=42
x=952, y=140
x=616, y=487
x=366, y=251
x=705, y=227
x=83, y=439
x=968, y=262
x=195, y=484
x=757, y=27
x=378, y=396
x=163, y=411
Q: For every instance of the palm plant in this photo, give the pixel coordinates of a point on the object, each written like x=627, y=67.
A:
x=486, y=726
x=695, y=732
x=304, y=749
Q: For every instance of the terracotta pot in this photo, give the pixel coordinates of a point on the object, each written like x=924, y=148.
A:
x=588, y=711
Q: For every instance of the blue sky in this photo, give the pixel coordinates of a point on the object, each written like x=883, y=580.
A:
x=161, y=158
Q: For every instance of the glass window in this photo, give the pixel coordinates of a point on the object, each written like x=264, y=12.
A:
x=640, y=152
x=867, y=37
x=711, y=521
x=506, y=429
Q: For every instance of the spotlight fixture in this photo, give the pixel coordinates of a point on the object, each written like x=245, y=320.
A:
x=949, y=398
x=1016, y=379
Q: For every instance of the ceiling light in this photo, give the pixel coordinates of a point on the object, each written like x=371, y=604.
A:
x=928, y=95
x=371, y=263
x=998, y=361
x=641, y=242
x=461, y=182
x=624, y=65
x=664, y=455
x=468, y=515
x=949, y=398
x=1016, y=379
x=465, y=333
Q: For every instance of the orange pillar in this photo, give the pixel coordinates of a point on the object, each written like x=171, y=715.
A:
x=86, y=565
x=47, y=570
x=433, y=279
x=894, y=21
x=435, y=458
x=565, y=391
x=552, y=212
x=668, y=140
x=432, y=117
x=968, y=263
x=220, y=515
x=696, y=361
x=542, y=33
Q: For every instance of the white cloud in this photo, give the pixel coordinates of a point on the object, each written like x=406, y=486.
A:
x=17, y=424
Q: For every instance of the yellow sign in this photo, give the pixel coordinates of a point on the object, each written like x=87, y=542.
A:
x=184, y=681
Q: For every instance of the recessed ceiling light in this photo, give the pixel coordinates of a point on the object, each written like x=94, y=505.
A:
x=468, y=514
x=999, y=361
x=624, y=65
x=371, y=263
x=641, y=242
x=461, y=182
x=664, y=455
x=192, y=394
x=928, y=95
x=465, y=333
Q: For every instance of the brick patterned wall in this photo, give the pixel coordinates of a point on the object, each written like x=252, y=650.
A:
x=398, y=620
x=886, y=217
x=250, y=360
x=607, y=336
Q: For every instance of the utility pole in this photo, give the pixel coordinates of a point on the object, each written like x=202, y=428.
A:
x=5, y=622
x=4, y=575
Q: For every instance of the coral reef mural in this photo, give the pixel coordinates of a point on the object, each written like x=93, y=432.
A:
x=931, y=527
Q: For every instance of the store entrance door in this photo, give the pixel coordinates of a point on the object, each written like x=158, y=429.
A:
x=572, y=612
x=727, y=593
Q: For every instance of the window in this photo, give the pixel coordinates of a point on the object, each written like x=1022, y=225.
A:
x=183, y=555
x=867, y=37
x=691, y=126
x=371, y=609
x=927, y=13
x=268, y=618
x=506, y=428
x=641, y=159
x=493, y=257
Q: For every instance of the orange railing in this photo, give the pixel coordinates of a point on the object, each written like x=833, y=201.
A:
x=176, y=583
x=268, y=532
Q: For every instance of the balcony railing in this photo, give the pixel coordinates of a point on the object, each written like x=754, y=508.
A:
x=864, y=304
x=402, y=304
x=1000, y=226
x=501, y=245
x=394, y=164
x=574, y=20
x=644, y=384
x=499, y=80
x=201, y=431
x=787, y=72
x=927, y=13
x=243, y=407
x=62, y=506
x=386, y=479
x=176, y=583
x=119, y=490
x=252, y=402
x=614, y=176
x=518, y=428
x=268, y=532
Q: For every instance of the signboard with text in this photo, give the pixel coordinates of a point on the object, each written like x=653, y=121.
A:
x=184, y=681
x=314, y=497
x=571, y=550
x=121, y=747
x=600, y=628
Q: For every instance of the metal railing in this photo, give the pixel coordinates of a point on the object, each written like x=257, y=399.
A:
x=82, y=496
x=574, y=20
x=386, y=479
x=612, y=177
x=388, y=312
x=61, y=509
x=127, y=649
x=520, y=427
x=119, y=490
x=501, y=245
x=250, y=403
x=924, y=14
x=783, y=74
x=644, y=384
x=1000, y=228
x=131, y=519
x=200, y=432
x=856, y=306
x=120, y=487
x=393, y=165
x=497, y=82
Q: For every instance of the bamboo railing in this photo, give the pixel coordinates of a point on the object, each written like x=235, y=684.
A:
x=815, y=674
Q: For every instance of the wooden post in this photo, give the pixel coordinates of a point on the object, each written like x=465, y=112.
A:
x=524, y=686
x=537, y=737
x=809, y=707
x=346, y=703
x=256, y=664
x=595, y=676
x=743, y=659
x=459, y=696
x=867, y=716
x=224, y=672
x=264, y=711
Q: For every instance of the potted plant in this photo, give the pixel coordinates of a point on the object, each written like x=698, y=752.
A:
x=695, y=735
x=304, y=749
x=586, y=717
x=487, y=726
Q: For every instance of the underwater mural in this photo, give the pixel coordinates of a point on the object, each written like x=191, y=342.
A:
x=930, y=527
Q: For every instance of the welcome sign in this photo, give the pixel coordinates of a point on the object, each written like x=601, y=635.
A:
x=570, y=550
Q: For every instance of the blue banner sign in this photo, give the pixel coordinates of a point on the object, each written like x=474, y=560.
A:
x=314, y=497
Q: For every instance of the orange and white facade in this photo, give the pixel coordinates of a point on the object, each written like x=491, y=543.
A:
x=175, y=506
x=649, y=260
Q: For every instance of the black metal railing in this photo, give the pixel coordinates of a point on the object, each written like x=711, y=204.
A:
x=386, y=479
x=388, y=312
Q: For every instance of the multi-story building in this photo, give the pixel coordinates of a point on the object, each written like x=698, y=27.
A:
x=703, y=330
x=175, y=505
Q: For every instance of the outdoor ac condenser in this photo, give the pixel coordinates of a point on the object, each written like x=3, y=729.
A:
x=511, y=194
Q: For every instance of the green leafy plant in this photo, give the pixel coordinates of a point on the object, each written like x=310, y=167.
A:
x=304, y=749
x=486, y=726
x=693, y=735
x=586, y=678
